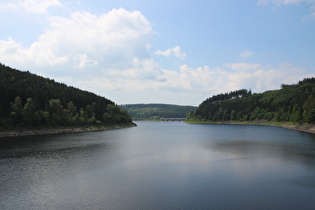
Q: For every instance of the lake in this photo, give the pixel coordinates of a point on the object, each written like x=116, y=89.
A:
x=160, y=165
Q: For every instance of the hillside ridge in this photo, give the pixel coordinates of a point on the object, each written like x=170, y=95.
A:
x=31, y=100
x=156, y=111
x=292, y=103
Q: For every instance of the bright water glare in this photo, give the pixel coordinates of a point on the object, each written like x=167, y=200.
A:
x=160, y=165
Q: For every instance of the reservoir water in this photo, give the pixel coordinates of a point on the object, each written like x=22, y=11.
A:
x=160, y=165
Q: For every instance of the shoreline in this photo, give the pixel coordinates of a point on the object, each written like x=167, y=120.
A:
x=308, y=128
x=49, y=131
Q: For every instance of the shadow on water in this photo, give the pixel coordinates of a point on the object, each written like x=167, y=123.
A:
x=295, y=163
x=41, y=161
x=72, y=151
x=267, y=149
x=251, y=140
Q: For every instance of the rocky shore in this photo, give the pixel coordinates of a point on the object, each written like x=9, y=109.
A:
x=304, y=127
x=309, y=128
x=47, y=131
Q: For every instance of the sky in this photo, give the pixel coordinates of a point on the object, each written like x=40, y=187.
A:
x=152, y=51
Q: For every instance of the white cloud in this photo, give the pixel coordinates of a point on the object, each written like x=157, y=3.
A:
x=84, y=62
x=253, y=76
x=243, y=66
x=108, y=41
x=246, y=54
x=146, y=81
x=109, y=55
x=32, y=6
x=287, y=2
x=150, y=83
x=279, y=3
x=283, y=2
x=176, y=51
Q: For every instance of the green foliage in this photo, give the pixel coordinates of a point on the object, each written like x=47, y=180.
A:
x=157, y=111
x=294, y=103
x=16, y=112
x=31, y=100
x=116, y=115
x=29, y=112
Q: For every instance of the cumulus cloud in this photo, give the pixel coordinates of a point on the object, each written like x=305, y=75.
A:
x=176, y=51
x=196, y=84
x=108, y=41
x=247, y=75
x=109, y=55
x=150, y=82
x=84, y=62
x=32, y=6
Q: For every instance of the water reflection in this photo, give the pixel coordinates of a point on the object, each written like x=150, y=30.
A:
x=248, y=148
x=290, y=162
x=160, y=165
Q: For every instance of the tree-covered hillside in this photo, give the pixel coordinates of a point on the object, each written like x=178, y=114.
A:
x=293, y=103
x=31, y=100
x=157, y=111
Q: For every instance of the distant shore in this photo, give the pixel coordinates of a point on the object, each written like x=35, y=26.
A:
x=309, y=128
x=51, y=130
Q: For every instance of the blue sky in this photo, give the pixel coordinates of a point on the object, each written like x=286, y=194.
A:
x=175, y=52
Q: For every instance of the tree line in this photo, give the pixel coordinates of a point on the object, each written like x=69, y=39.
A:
x=292, y=103
x=29, y=99
x=157, y=111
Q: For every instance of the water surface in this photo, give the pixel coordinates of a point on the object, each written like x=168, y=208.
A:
x=160, y=165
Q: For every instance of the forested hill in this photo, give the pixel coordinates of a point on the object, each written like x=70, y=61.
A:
x=157, y=111
x=31, y=100
x=292, y=103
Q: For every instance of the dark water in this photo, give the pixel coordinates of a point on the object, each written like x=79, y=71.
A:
x=160, y=165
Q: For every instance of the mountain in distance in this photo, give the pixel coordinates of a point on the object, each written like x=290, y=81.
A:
x=292, y=103
x=29, y=100
x=156, y=111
